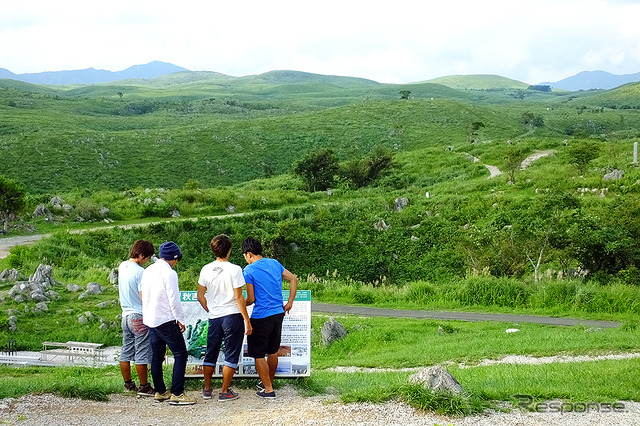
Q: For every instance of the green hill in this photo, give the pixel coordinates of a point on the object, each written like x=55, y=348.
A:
x=479, y=82
x=222, y=130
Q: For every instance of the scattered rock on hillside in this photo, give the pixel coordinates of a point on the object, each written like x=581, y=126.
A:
x=36, y=288
x=10, y=275
x=332, y=330
x=13, y=321
x=113, y=276
x=40, y=308
x=614, y=175
x=380, y=225
x=42, y=210
x=107, y=303
x=437, y=379
x=73, y=288
x=400, y=203
x=92, y=289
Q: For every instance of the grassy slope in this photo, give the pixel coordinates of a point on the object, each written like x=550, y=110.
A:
x=479, y=82
x=223, y=134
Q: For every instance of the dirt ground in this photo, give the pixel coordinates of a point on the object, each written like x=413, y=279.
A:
x=289, y=408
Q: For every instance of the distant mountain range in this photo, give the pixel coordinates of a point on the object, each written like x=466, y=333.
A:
x=91, y=75
x=585, y=80
x=588, y=80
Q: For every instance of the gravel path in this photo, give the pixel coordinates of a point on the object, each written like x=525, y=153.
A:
x=288, y=409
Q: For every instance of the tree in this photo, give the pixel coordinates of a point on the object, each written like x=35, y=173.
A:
x=513, y=158
x=363, y=172
x=530, y=119
x=472, y=130
x=582, y=153
x=12, y=201
x=404, y=94
x=318, y=170
x=541, y=226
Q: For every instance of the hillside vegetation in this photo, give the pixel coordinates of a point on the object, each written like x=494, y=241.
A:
x=197, y=144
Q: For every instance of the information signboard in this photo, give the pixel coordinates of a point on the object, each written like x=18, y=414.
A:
x=295, y=348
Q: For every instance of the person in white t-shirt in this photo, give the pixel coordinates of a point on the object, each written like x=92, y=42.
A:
x=220, y=294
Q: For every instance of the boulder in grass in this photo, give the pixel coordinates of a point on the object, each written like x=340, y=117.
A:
x=332, y=330
x=437, y=379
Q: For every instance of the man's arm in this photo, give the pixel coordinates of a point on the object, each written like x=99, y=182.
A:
x=173, y=294
x=251, y=297
x=293, y=288
x=201, y=297
x=242, y=305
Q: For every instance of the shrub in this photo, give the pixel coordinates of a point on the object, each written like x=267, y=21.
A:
x=493, y=292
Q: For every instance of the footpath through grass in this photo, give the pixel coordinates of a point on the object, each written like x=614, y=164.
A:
x=402, y=346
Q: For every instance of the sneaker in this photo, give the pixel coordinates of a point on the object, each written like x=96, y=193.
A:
x=182, y=399
x=227, y=396
x=130, y=386
x=159, y=397
x=260, y=385
x=266, y=395
x=146, y=390
x=206, y=393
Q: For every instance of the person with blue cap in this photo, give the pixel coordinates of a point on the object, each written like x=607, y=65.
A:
x=162, y=312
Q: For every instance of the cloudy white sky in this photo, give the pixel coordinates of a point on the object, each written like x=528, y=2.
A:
x=398, y=41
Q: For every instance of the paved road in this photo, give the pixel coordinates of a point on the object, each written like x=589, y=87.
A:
x=460, y=316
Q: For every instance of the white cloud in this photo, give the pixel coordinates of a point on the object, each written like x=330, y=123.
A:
x=397, y=42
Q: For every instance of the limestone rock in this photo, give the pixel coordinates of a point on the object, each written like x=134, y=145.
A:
x=74, y=288
x=614, y=175
x=9, y=275
x=400, y=203
x=332, y=330
x=380, y=225
x=113, y=276
x=437, y=379
x=94, y=288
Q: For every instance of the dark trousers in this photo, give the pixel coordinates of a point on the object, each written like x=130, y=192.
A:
x=168, y=334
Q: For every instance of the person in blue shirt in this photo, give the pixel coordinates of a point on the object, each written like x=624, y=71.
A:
x=263, y=277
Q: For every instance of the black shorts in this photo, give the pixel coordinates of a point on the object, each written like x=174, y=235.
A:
x=265, y=337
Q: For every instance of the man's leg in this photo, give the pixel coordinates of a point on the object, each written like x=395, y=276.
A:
x=227, y=375
x=214, y=340
x=127, y=353
x=158, y=349
x=143, y=375
x=207, y=370
x=233, y=329
x=272, y=362
x=125, y=369
x=263, y=372
x=142, y=346
x=175, y=341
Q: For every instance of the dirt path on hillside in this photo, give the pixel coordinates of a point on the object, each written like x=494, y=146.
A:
x=6, y=244
x=494, y=171
x=535, y=156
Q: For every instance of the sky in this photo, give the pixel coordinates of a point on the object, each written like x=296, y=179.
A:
x=398, y=41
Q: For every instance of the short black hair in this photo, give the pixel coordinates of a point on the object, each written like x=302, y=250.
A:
x=251, y=245
x=221, y=245
x=142, y=248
